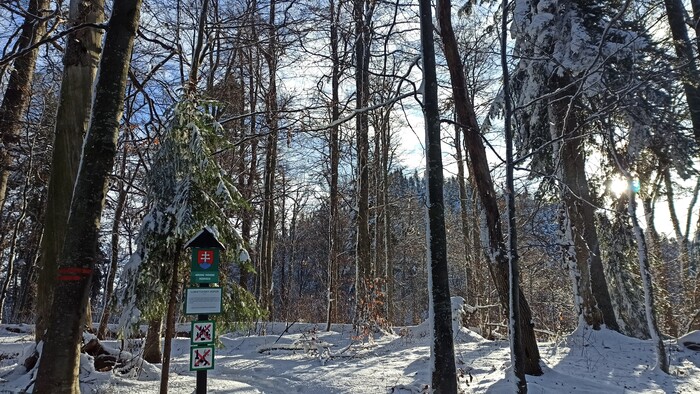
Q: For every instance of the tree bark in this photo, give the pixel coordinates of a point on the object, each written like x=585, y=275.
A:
x=494, y=246
x=249, y=175
x=267, y=238
x=464, y=216
x=58, y=368
x=645, y=272
x=514, y=324
x=334, y=153
x=444, y=375
x=568, y=154
x=362, y=246
x=151, y=347
x=571, y=161
x=16, y=98
x=170, y=320
x=80, y=62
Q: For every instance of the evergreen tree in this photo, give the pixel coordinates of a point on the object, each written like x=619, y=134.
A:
x=187, y=190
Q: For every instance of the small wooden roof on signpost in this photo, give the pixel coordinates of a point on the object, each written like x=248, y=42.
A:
x=204, y=239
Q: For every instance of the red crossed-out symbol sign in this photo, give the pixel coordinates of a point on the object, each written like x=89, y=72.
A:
x=201, y=359
x=203, y=332
x=205, y=258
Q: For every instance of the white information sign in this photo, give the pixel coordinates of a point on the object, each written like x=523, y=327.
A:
x=203, y=301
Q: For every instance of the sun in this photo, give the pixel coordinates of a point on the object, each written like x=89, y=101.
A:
x=619, y=185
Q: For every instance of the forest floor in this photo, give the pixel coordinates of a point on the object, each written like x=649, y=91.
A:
x=302, y=358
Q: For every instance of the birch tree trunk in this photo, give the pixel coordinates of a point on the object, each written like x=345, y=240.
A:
x=59, y=364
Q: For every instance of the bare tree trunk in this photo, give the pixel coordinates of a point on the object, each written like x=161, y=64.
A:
x=267, y=238
x=444, y=374
x=80, y=66
x=170, y=320
x=568, y=154
x=661, y=268
x=16, y=98
x=645, y=272
x=58, y=368
x=570, y=159
x=494, y=246
x=680, y=237
x=362, y=247
x=334, y=148
x=514, y=324
x=24, y=311
x=151, y=347
x=386, y=221
x=464, y=216
x=10, y=270
x=249, y=175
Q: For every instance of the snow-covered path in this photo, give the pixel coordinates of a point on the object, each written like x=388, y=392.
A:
x=336, y=362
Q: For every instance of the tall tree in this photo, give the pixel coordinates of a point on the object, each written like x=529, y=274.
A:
x=558, y=75
x=268, y=225
x=334, y=153
x=514, y=324
x=494, y=244
x=16, y=99
x=362, y=15
x=80, y=61
x=59, y=364
x=444, y=375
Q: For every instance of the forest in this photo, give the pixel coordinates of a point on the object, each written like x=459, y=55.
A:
x=361, y=161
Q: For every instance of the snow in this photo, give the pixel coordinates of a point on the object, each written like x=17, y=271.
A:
x=301, y=358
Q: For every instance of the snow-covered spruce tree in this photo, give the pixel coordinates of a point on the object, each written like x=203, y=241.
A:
x=187, y=190
x=567, y=50
x=620, y=253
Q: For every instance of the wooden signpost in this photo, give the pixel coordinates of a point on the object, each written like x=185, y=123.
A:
x=203, y=301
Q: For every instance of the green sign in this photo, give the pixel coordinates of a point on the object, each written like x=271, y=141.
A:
x=205, y=265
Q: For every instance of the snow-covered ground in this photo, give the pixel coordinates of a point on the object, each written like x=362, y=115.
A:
x=302, y=358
